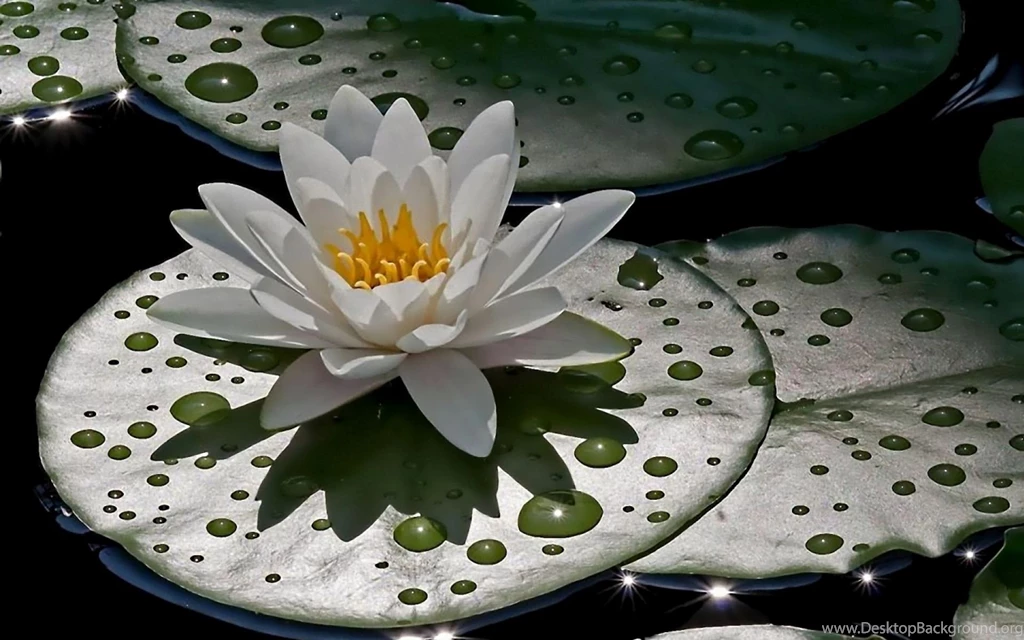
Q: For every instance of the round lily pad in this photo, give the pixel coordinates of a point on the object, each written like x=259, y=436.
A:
x=900, y=429
x=368, y=517
x=1002, y=172
x=996, y=602
x=751, y=632
x=701, y=89
x=53, y=52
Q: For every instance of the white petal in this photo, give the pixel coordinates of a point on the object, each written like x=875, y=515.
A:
x=401, y=142
x=356, y=364
x=437, y=169
x=512, y=316
x=515, y=253
x=204, y=232
x=454, y=396
x=386, y=197
x=228, y=314
x=366, y=312
x=361, y=183
x=569, y=340
x=587, y=219
x=304, y=154
x=272, y=234
x=491, y=133
x=479, y=199
x=324, y=212
x=288, y=306
x=307, y=390
x=408, y=301
x=432, y=336
x=458, y=290
x=418, y=194
x=352, y=123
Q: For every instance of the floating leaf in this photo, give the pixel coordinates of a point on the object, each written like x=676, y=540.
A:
x=752, y=632
x=370, y=518
x=1002, y=172
x=700, y=89
x=900, y=361
x=995, y=606
x=53, y=52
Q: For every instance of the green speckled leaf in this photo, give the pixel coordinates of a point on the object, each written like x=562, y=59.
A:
x=1002, y=172
x=751, y=632
x=904, y=430
x=995, y=606
x=695, y=88
x=328, y=498
x=52, y=52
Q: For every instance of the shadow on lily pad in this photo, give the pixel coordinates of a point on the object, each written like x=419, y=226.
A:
x=380, y=451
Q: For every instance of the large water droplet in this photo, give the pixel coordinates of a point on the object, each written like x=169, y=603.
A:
x=943, y=417
x=383, y=22
x=736, y=107
x=199, y=408
x=192, y=20
x=1013, y=329
x=87, y=439
x=142, y=430
x=824, y=544
x=660, y=466
x=221, y=527
x=44, y=65
x=57, y=89
x=412, y=597
x=486, y=552
x=621, y=65
x=463, y=587
x=225, y=45
x=677, y=32
x=903, y=488
x=17, y=9
x=385, y=100
x=559, y=514
x=685, y=370
x=222, y=82
x=639, y=272
x=836, y=317
x=948, y=475
x=445, y=138
x=141, y=341
x=420, y=534
x=289, y=32
x=765, y=308
x=600, y=452
x=923, y=320
x=894, y=443
x=714, y=144
x=992, y=504
x=819, y=273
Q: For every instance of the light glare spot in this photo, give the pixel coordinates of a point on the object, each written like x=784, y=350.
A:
x=61, y=115
x=18, y=121
x=719, y=592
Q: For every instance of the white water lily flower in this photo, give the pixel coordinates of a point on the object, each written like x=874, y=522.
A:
x=395, y=273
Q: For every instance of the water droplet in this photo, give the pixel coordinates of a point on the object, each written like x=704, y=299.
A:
x=126, y=515
x=819, y=273
x=310, y=59
x=321, y=524
x=221, y=82
x=559, y=514
x=420, y=534
x=679, y=101
x=894, y=443
x=56, y=89
x=635, y=117
x=762, y=378
x=890, y=278
x=200, y=408
x=713, y=144
x=445, y=138
x=672, y=348
x=658, y=517
x=850, y=441
x=840, y=507
x=639, y=272
x=443, y=62
x=655, y=495
x=260, y=360
x=383, y=22
x=141, y=341
x=819, y=470
x=660, y=466
x=507, y=80
x=272, y=578
x=552, y=549
x=43, y=65
x=943, y=417
x=87, y=439
x=927, y=37
x=685, y=370
x=412, y=597
x=824, y=544
x=784, y=47
x=765, y=308
x=600, y=452
x=237, y=118
x=157, y=480
x=119, y=452
x=948, y=475
x=206, y=462
x=621, y=65
x=192, y=20
x=861, y=455
x=17, y=9
x=736, y=107
x=463, y=587
x=836, y=317
x=676, y=32
x=288, y=32
x=271, y=125
x=703, y=66
x=566, y=100
x=1013, y=329
x=746, y=282
x=818, y=340
x=903, y=488
x=721, y=352
x=262, y=461
x=923, y=320
x=906, y=256
x=801, y=510
x=992, y=504
x=1002, y=483
x=240, y=494
x=965, y=449
x=840, y=415
x=1017, y=442
x=486, y=552
x=142, y=430
x=176, y=362
x=225, y=45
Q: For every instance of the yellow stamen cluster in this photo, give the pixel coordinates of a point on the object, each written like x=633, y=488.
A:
x=398, y=254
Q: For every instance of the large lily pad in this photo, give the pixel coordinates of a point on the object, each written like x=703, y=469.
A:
x=995, y=606
x=900, y=358
x=53, y=52
x=700, y=88
x=751, y=632
x=1002, y=172
x=314, y=523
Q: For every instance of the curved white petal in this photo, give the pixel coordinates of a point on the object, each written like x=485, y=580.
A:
x=362, y=181
x=357, y=364
x=228, y=314
x=479, y=199
x=368, y=315
x=288, y=306
x=401, y=142
x=491, y=133
x=408, y=301
x=352, y=123
x=289, y=251
x=200, y=229
x=587, y=220
x=457, y=290
x=386, y=197
x=432, y=336
x=454, y=396
x=307, y=390
x=437, y=170
x=324, y=212
x=418, y=194
x=568, y=340
x=306, y=155
x=515, y=254
x=512, y=316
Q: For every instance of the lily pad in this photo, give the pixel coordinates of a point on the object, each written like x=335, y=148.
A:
x=368, y=517
x=54, y=52
x=751, y=632
x=1002, y=172
x=900, y=361
x=995, y=606
x=701, y=89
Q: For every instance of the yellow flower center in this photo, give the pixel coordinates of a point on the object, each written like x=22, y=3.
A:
x=397, y=254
